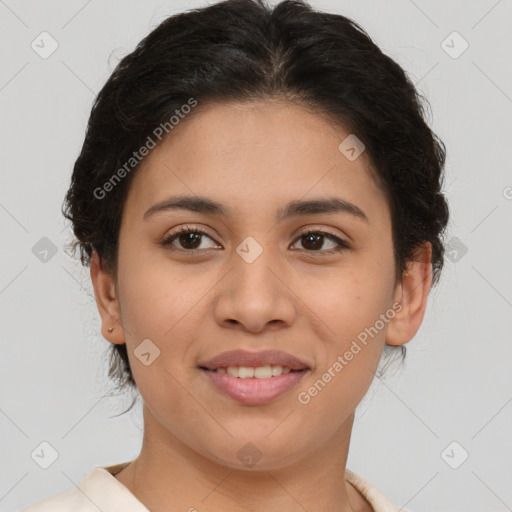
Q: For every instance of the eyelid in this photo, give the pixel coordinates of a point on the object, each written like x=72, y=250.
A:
x=188, y=227
x=340, y=240
x=295, y=234
x=321, y=229
x=185, y=228
x=342, y=243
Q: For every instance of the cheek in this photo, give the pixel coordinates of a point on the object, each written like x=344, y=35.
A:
x=348, y=302
x=353, y=317
x=348, y=360
x=161, y=302
x=155, y=294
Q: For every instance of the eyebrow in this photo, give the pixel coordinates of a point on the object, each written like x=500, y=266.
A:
x=295, y=208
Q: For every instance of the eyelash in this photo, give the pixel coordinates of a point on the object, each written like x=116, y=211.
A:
x=342, y=245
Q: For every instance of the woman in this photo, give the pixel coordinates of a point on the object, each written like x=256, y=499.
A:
x=259, y=200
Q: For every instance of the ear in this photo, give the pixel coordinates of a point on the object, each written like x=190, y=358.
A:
x=412, y=292
x=106, y=300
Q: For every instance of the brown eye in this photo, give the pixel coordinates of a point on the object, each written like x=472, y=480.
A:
x=189, y=239
x=313, y=241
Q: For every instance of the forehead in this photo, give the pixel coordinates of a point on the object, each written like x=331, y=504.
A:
x=252, y=155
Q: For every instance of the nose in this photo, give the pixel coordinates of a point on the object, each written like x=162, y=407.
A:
x=255, y=295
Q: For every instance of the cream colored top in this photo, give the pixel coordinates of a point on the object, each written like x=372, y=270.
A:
x=100, y=490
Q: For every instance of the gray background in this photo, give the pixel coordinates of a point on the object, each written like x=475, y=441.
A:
x=456, y=383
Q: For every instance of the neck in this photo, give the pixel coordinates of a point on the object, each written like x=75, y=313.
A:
x=169, y=476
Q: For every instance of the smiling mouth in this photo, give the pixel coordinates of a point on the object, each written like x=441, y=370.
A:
x=254, y=372
x=253, y=385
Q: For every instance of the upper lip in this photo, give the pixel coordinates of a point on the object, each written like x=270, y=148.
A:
x=247, y=358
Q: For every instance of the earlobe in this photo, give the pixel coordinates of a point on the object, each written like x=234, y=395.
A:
x=108, y=305
x=412, y=292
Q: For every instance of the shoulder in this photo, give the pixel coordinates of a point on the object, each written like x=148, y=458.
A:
x=377, y=500
x=98, y=489
x=62, y=502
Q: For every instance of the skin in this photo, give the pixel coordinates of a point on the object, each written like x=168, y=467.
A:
x=253, y=158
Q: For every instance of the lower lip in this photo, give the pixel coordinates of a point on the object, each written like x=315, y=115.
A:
x=254, y=391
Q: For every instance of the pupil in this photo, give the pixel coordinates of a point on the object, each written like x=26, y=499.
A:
x=314, y=238
x=189, y=237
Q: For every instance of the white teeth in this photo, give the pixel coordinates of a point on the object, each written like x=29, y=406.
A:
x=276, y=371
x=233, y=371
x=245, y=372
x=260, y=372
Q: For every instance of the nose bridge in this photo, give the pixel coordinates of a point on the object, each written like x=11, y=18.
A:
x=252, y=262
x=255, y=295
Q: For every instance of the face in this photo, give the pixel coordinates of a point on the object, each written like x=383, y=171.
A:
x=253, y=279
